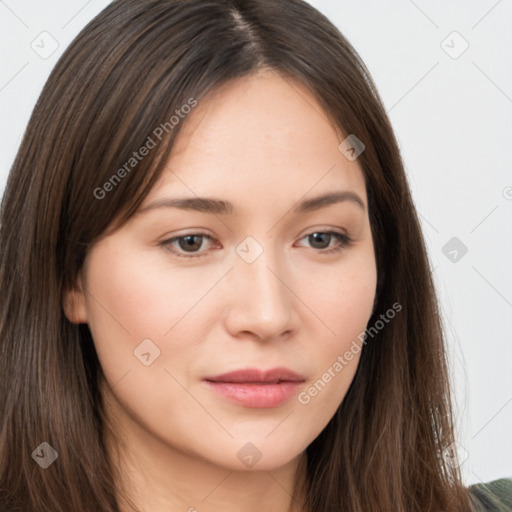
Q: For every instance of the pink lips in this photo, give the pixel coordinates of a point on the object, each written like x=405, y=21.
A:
x=257, y=388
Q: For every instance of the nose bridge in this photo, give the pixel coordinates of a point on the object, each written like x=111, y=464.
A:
x=261, y=272
x=261, y=302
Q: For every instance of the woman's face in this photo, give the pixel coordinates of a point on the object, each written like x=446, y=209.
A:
x=249, y=286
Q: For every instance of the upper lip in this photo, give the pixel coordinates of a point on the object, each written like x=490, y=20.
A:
x=255, y=375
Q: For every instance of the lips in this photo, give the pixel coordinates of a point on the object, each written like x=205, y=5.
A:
x=255, y=376
x=257, y=388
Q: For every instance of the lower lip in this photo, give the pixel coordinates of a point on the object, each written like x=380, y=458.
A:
x=256, y=395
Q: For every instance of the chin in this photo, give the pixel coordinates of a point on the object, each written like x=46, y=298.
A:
x=256, y=455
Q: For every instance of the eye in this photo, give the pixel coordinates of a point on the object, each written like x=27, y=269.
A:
x=190, y=244
x=322, y=240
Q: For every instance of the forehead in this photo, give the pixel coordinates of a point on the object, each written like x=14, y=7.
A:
x=260, y=134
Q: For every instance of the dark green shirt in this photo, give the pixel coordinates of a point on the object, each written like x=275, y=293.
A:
x=495, y=496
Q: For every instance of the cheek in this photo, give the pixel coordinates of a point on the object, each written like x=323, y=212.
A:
x=343, y=301
x=341, y=295
x=124, y=306
x=135, y=296
x=138, y=292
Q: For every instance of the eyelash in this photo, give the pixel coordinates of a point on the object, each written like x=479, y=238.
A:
x=344, y=242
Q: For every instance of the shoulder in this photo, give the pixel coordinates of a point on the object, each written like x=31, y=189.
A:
x=495, y=496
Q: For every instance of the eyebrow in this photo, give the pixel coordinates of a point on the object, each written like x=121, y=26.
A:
x=221, y=207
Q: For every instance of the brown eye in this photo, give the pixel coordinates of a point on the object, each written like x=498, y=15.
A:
x=190, y=242
x=187, y=246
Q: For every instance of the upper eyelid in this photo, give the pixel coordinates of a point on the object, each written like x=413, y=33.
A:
x=211, y=237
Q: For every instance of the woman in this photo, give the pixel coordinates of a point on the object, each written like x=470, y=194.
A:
x=215, y=291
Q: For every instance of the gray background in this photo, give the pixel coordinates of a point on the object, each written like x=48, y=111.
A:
x=451, y=109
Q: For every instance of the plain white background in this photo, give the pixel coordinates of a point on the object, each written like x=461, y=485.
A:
x=449, y=98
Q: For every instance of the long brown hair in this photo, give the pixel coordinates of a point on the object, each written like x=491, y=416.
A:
x=124, y=76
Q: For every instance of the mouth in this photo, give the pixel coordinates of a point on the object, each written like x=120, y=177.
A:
x=257, y=388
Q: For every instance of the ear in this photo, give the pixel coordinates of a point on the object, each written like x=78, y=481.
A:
x=74, y=304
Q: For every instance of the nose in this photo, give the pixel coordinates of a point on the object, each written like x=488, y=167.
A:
x=262, y=302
